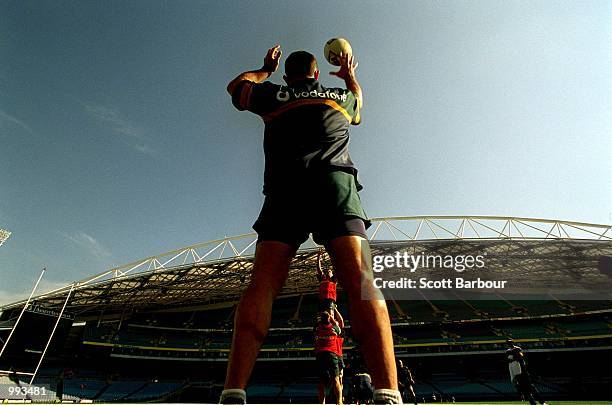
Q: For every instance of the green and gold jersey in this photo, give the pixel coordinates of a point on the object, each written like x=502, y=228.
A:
x=306, y=127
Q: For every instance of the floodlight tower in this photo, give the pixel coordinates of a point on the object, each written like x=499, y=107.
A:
x=4, y=235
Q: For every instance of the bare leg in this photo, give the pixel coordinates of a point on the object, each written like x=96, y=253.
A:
x=411, y=389
x=321, y=392
x=341, y=387
x=254, y=312
x=338, y=390
x=369, y=318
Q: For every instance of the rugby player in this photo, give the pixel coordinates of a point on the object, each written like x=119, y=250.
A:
x=328, y=352
x=327, y=285
x=406, y=382
x=310, y=186
x=519, y=374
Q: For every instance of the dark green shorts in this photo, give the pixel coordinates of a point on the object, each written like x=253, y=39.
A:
x=329, y=365
x=324, y=204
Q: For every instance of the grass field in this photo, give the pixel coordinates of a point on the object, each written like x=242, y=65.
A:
x=510, y=403
x=527, y=403
x=489, y=403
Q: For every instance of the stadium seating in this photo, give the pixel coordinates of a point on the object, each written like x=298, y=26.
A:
x=120, y=390
x=538, y=308
x=495, y=308
x=284, y=310
x=585, y=306
x=308, y=311
x=76, y=389
x=83, y=388
x=582, y=328
x=440, y=336
x=41, y=391
x=477, y=376
x=153, y=390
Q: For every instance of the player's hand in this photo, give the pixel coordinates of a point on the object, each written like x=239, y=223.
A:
x=347, y=66
x=272, y=59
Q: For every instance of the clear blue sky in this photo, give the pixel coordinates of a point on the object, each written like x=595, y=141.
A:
x=118, y=141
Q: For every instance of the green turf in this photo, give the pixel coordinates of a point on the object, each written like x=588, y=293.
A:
x=526, y=403
x=483, y=403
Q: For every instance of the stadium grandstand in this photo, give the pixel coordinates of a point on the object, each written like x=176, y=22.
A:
x=159, y=329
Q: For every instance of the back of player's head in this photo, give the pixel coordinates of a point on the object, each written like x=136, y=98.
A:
x=324, y=318
x=510, y=342
x=301, y=64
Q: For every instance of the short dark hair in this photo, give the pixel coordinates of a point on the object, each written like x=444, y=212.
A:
x=300, y=64
x=324, y=318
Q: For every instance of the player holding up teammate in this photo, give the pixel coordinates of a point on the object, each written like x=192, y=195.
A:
x=328, y=352
x=327, y=303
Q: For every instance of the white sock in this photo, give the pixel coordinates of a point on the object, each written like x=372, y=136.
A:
x=233, y=393
x=386, y=396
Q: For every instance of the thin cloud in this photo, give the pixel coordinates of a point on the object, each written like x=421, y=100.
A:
x=121, y=126
x=22, y=293
x=146, y=150
x=10, y=296
x=89, y=243
x=112, y=117
x=5, y=117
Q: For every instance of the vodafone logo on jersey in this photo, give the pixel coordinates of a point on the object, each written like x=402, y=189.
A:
x=284, y=95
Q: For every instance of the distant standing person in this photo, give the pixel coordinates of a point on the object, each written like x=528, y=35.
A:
x=361, y=390
x=406, y=382
x=519, y=374
x=362, y=386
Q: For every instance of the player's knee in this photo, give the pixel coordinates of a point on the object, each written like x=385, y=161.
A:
x=263, y=288
x=352, y=280
x=247, y=323
x=250, y=319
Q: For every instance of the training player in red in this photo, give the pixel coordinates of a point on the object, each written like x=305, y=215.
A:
x=327, y=286
x=328, y=351
x=340, y=343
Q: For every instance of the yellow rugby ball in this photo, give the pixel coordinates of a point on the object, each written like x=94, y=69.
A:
x=334, y=47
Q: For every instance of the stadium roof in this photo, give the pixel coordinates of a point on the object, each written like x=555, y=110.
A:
x=217, y=271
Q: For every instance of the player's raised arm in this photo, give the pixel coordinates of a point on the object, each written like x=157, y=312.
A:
x=339, y=318
x=271, y=62
x=334, y=323
x=347, y=73
x=320, y=275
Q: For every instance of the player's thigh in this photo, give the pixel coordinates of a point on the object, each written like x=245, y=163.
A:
x=338, y=208
x=352, y=261
x=282, y=219
x=271, y=264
